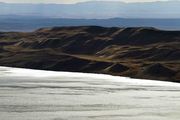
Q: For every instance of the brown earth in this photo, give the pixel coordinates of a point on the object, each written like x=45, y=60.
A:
x=133, y=52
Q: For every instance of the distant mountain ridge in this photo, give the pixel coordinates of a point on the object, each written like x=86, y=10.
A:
x=97, y=9
x=31, y=23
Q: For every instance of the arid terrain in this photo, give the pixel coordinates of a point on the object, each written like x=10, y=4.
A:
x=146, y=53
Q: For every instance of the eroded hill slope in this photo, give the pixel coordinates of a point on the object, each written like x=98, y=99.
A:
x=134, y=52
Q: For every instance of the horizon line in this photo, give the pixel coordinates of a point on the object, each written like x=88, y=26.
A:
x=89, y=2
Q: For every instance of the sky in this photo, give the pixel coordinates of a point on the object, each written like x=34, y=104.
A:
x=69, y=1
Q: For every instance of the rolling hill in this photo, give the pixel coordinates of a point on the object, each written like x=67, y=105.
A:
x=146, y=53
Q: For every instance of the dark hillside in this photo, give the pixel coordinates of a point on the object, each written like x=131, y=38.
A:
x=133, y=52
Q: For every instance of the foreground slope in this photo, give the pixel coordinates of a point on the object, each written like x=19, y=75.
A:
x=134, y=52
x=48, y=95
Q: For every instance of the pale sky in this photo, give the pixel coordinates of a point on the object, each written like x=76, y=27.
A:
x=70, y=1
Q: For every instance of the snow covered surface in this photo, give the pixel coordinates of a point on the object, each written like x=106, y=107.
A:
x=45, y=95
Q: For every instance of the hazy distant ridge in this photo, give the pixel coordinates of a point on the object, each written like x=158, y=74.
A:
x=30, y=23
x=96, y=9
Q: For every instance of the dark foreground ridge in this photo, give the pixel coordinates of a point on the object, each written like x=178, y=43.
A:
x=133, y=52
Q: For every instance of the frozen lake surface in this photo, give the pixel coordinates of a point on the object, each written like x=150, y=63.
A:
x=43, y=95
